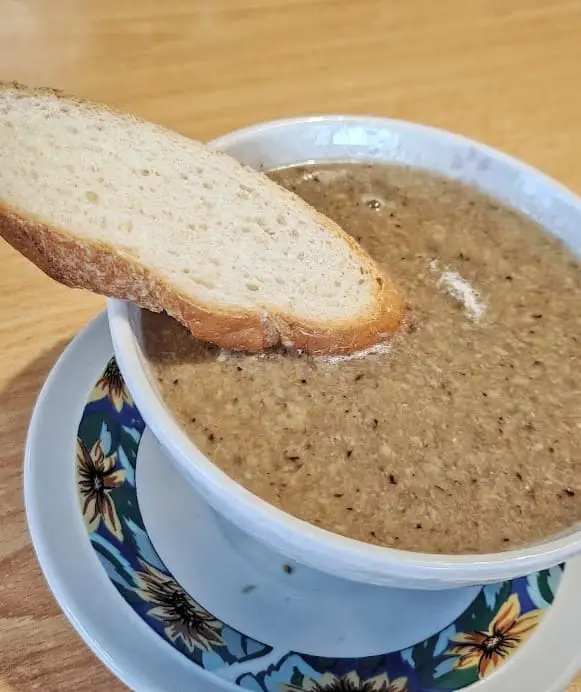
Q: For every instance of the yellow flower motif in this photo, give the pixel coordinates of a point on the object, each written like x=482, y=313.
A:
x=112, y=385
x=487, y=650
x=97, y=477
x=183, y=618
x=349, y=683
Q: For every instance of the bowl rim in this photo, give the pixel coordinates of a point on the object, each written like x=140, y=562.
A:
x=296, y=538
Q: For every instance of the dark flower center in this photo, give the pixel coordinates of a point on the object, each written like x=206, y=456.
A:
x=492, y=643
x=113, y=377
x=343, y=685
x=97, y=482
x=179, y=603
x=112, y=371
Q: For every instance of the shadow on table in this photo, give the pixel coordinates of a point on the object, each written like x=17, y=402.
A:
x=17, y=400
x=38, y=647
x=25, y=597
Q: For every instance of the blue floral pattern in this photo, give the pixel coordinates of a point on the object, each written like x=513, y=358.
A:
x=108, y=441
x=481, y=639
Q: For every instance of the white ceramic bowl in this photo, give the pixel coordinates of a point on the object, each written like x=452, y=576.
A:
x=338, y=138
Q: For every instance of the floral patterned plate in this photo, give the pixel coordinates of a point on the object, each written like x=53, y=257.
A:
x=100, y=561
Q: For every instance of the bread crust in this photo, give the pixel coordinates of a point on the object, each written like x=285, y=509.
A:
x=105, y=269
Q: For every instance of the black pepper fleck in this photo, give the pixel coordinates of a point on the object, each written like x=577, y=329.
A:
x=348, y=453
x=569, y=492
x=288, y=569
x=358, y=377
x=392, y=479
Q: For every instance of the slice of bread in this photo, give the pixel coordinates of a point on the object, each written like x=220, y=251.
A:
x=104, y=201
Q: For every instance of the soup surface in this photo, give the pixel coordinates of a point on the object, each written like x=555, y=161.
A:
x=465, y=435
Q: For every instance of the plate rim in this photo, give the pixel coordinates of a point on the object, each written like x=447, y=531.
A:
x=138, y=674
x=97, y=336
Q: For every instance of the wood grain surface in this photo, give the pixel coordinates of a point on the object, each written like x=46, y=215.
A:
x=502, y=71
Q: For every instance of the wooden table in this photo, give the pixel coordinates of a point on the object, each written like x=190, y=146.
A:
x=502, y=71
